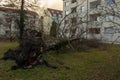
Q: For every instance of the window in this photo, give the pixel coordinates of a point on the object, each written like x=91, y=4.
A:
x=66, y=22
x=54, y=15
x=67, y=12
x=52, y=11
x=60, y=16
x=98, y=18
x=73, y=1
x=74, y=20
x=67, y=3
x=74, y=9
x=109, y=17
x=94, y=4
x=94, y=30
x=108, y=30
x=82, y=9
x=95, y=17
x=110, y=2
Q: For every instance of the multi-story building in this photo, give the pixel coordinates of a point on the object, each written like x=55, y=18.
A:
x=9, y=21
x=97, y=18
x=50, y=16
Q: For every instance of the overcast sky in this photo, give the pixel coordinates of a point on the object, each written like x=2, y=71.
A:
x=56, y=4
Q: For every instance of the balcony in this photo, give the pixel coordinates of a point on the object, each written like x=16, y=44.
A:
x=73, y=1
x=94, y=30
x=95, y=17
x=95, y=4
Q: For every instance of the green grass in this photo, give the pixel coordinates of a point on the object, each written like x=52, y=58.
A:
x=94, y=64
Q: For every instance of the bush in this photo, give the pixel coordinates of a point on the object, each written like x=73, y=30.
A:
x=85, y=44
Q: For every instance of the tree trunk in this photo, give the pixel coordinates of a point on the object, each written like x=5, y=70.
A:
x=21, y=23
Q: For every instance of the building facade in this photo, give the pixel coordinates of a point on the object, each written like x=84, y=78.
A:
x=9, y=21
x=96, y=18
x=50, y=16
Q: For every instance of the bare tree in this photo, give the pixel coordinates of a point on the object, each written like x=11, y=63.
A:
x=77, y=25
x=110, y=15
x=89, y=24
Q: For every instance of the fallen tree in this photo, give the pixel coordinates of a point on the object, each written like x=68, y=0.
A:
x=29, y=52
x=31, y=49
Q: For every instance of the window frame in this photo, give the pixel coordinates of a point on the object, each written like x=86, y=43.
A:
x=67, y=12
x=82, y=9
x=109, y=31
x=94, y=30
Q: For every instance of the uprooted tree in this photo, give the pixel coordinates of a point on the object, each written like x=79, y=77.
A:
x=29, y=52
x=31, y=49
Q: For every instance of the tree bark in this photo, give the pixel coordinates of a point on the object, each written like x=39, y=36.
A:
x=21, y=23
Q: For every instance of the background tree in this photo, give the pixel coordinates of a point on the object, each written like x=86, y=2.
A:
x=85, y=27
x=53, y=29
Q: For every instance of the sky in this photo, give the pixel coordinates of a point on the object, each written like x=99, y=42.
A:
x=55, y=4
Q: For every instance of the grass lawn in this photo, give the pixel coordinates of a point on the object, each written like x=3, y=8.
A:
x=94, y=64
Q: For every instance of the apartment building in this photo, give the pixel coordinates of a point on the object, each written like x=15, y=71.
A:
x=9, y=21
x=50, y=16
x=98, y=18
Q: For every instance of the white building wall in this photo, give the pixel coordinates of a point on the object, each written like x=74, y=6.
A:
x=11, y=27
x=48, y=19
x=111, y=35
x=47, y=22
